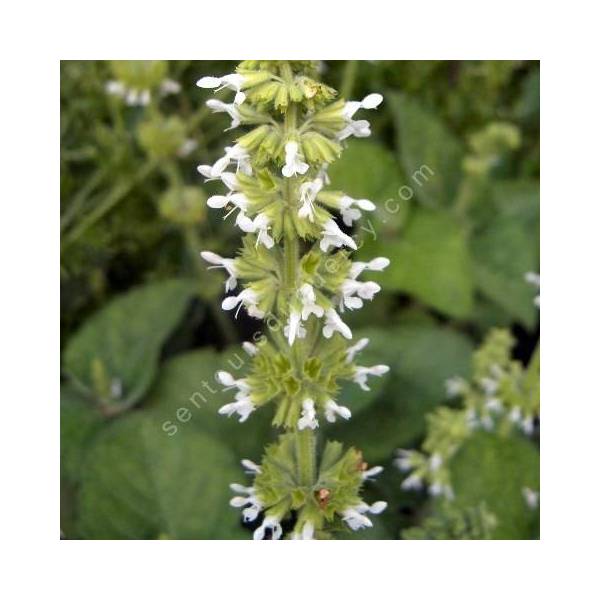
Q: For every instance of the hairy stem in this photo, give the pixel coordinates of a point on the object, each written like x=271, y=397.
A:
x=306, y=456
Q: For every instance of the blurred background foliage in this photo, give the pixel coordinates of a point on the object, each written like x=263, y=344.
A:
x=453, y=165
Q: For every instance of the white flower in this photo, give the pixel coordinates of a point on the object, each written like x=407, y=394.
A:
x=132, y=97
x=251, y=503
x=488, y=385
x=227, y=379
x=334, y=236
x=403, y=460
x=377, y=264
x=218, y=106
x=354, y=292
x=294, y=165
x=515, y=414
x=243, y=406
x=531, y=498
x=114, y=88
x=435, y=462
x=349, y=211
x=308, y=416
x=333, y=323
x=355, y=515
x=168, y=86
x=308, y=193
x=261, y=227
x=493, y=405
x=438, y=489
x=233, y=82
x=361, y=374
x=527, y=425
x=294, y=329
x=354, y=350
x=250, y=349
x=309, y=302
x=308, y=531
x=534, y=279
x=188, y=146
x=371, y=473
x=248, y=298
x=359, y=129
x=224, y=263
x=332, y=410
x=455, y=386
x=236, y=154
x=251, y=468
x=412, y=482
x=269, y=523
x=368, y=102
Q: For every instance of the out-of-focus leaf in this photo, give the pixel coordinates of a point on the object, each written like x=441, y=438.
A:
x=369, y=170
x=186, y=396
x=113, y=357
x=421, y=358
x=139, y=483
x=430, y=154
x=496, y=470
x=507, y=247
x=430, y=260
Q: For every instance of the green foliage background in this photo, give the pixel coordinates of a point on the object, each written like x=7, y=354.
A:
x=142, y=332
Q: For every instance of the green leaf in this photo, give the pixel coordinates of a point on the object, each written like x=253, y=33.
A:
x=430, y=154
x=186, y=396
x=139, y=483
x=368, y=170
x=421, y=358
x=494, y=470
x=507, y=247
x=430, y=260
x=113, y=357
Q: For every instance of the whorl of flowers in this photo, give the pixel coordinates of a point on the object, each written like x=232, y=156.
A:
x=294, y=271
x=503, y=396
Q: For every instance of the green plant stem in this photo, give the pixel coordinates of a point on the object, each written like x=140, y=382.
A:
x=80, y=197
x=348, y=78
x=109, y=202
x=305, y=454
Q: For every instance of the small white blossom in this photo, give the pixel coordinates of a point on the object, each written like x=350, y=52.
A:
x=188, y=146
x=269, y=523
x=412, y=482
x=361, y=374
x=371, y=473
x=261, y=227
x=333, y=410
x=354, y=350
x=308, y=193
x=534, y=279
x=488, y=385
x=248, y=298
x=224, y=263
x=234, y=82
x=250, y=349
x=377, y=264
x=309, y=302
x=251, y=468
x=228, y=380
x=349, y=210
x=308, y=417
x=455, y=386
x=236, y=154
x=251, y=503
x=532, y=498
x=218, y=106
x=355, y=515
x=294, y=329
x=243, y=406
x=368, y=102
x=333, y=322
x=168, y=86
x=435, y=462
x=334, y=236
x=403, y=460
x=354, y=292
x=359, y=129
x=294, y=164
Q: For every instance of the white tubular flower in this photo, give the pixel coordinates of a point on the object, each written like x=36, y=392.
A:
x=219, y=262
x=527, y=425
x=334, y=236
x=233, y=82
x=333, y=323
x=493, y=405
x=439, y=489
x=251, y=503
x=488, y=385
x=377, y=264
x=308, y=418
x=137, y=97
x=412, y=482
x=294, y=329
x=227, y=379
x=435, y=462
x=188, y=146
x=359, y=129
x=368, y=102
x=361, y=374
x=333, y=410
x=371, y=473
x=349, y=210
x=294, y=165
x=455, y=386
x=308, y=531
x=236, y=154
x=355, y=516
x=534, y=279
x=271, y=524
x=114, y=88
x=250, y=349
x=261, y=227
x=354, y=350
x=250, y=468
x=531, y=498
x=248, y=298
x=351, y=288
x=309, y=302
x=243, y=406
x=308, y=193
x=218, y=106
x=515, y=415
x=403, y=460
